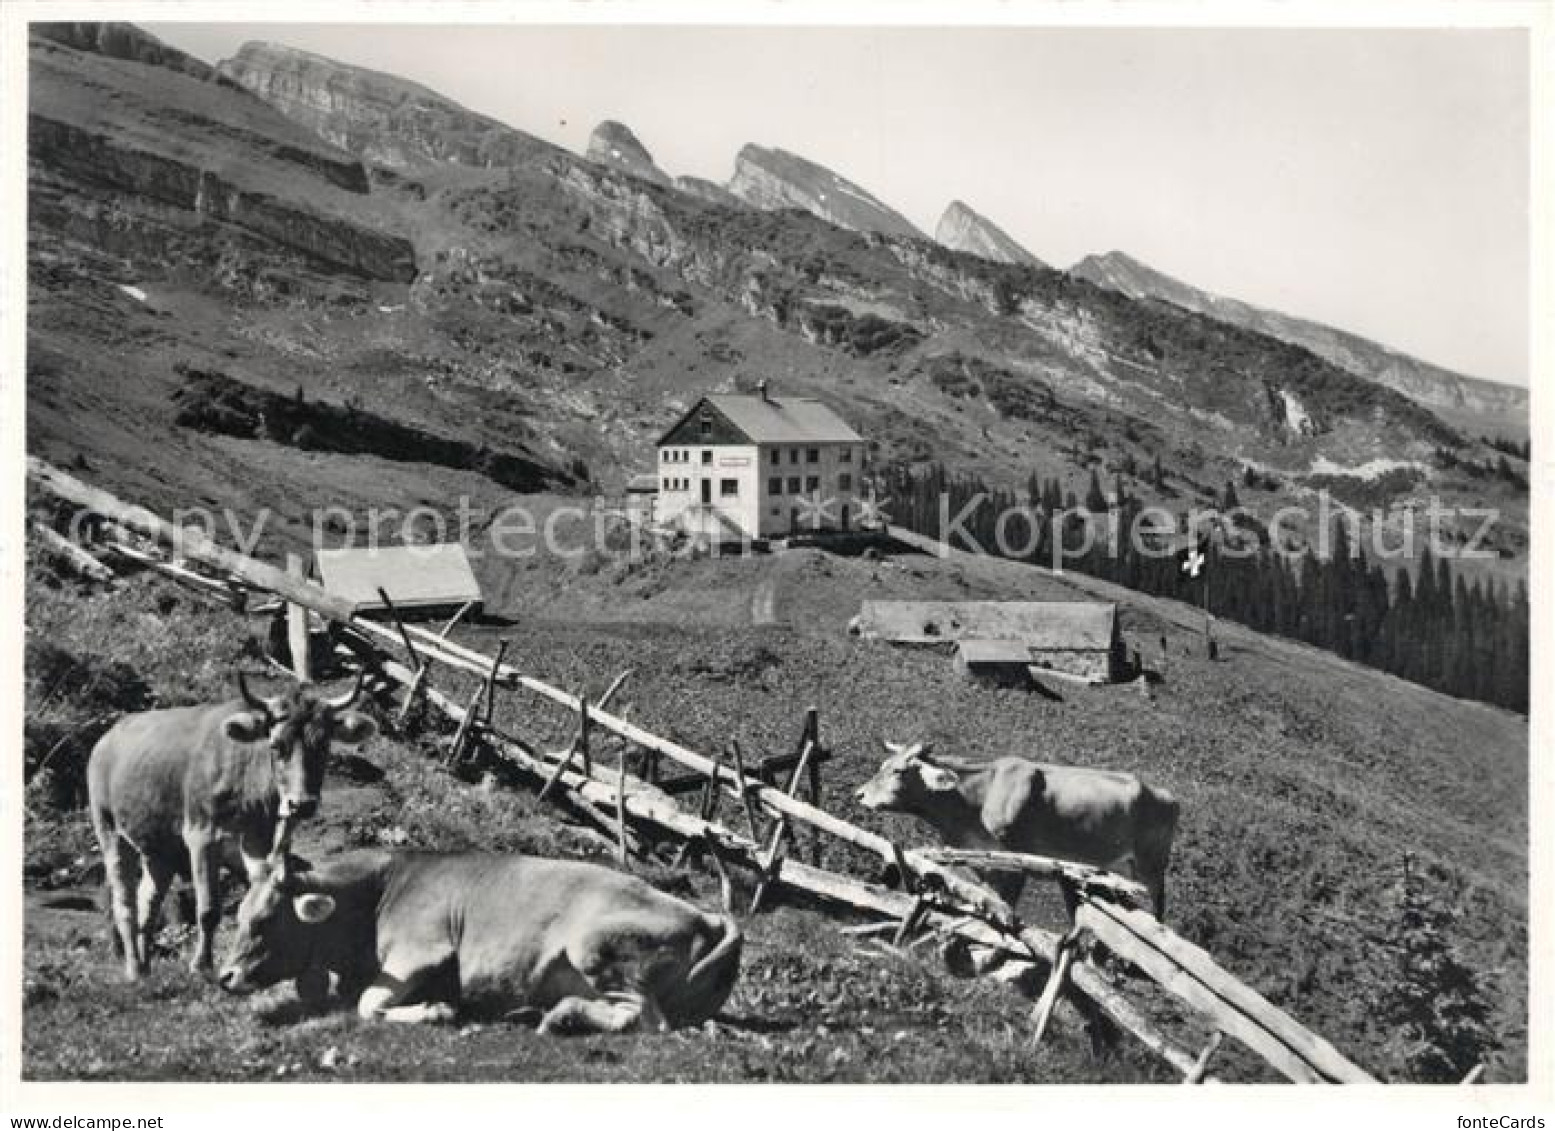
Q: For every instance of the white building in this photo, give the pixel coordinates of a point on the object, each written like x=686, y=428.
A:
x=759, y=466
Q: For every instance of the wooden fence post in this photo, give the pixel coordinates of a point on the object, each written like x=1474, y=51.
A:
x=297, y=626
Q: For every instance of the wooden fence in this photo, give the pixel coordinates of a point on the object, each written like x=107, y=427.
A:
x=632, y=813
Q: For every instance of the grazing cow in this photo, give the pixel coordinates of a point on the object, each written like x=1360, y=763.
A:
x=419, y=936
x=182, y=788
x=1099, y=817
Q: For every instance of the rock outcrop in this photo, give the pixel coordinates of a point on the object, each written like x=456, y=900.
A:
x=772, y=179
x=710, y=191
x=123, y=41
x=962, y=229
x=615, y=145
x=378, y=117
x=109, y=171
x=1463, y=398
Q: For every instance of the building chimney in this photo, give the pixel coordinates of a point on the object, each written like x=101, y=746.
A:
x=761, y=389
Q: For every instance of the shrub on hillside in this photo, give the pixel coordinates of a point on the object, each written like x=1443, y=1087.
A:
x=1438, y=1005
x=72, y=699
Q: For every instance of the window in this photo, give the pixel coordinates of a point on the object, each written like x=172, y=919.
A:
x=845, y=455
x=777, y=456
x=844, y=482
x=793, y=455
x=775, y=485
x=793, y=484
x=728, y=488
x=707, y=425
x=666, y=483
x=812, y=455
x=707, y=455
x=813, y=483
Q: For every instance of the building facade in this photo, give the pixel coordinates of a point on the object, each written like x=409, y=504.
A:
x=759, y=466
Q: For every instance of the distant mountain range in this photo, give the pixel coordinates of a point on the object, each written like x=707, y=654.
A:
x=1467, y=401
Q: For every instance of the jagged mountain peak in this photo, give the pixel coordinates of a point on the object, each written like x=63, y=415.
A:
x=614, y=144
x=962, y=228
x=772, y=178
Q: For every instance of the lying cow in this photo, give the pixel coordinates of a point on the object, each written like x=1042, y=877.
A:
x=1099, y=817
x=418, y=936
x=182, y=788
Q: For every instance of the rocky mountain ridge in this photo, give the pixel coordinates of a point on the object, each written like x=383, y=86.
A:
x=774, y=179
x=1462, y=398
x=961, y=228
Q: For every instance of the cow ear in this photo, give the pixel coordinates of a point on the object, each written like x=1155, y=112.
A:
x=245, y=726
x=314, y=906
x=892, y=747
x=940, y=779
x=353, y=727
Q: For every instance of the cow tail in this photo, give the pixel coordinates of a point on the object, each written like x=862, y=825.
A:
x=710, y=981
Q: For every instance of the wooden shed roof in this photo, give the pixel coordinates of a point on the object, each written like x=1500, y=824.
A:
x=414, y=576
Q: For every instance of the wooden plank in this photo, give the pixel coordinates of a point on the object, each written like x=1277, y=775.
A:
x=80, y=560
x=1160, y=968
x=1316, y=1051
x=1083, y=875
x=297, y=626
x=190, y=542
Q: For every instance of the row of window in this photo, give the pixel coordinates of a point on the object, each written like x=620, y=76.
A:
x=811, y=455
x=730, y=488
x=812, y=483
x=682, y=455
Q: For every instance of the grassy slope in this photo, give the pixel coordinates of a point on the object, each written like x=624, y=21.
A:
x=1303, y=780
x=810, y=1006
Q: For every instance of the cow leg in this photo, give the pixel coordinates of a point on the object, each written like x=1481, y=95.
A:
x=254, y=852
x=204, y=865
x=377, y=1003
x=155, y=875
x=617, y=1013
x=384, y=999
x=120, y=866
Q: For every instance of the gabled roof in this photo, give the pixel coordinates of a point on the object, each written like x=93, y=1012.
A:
x=413, y=576
x=777, y=420
x=1068, y=625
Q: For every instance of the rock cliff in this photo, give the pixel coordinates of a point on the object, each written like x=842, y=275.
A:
x=615, y=145
x=772, y=179
x=378, y=117
x=1462, y=398
x=962, y=229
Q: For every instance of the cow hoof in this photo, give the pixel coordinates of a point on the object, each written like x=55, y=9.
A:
x=440, y=1013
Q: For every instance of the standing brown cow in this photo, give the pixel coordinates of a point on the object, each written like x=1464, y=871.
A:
x=189, y=785
x=1099, y=817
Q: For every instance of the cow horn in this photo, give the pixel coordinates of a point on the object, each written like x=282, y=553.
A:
x=249, y=698
x=342, y=702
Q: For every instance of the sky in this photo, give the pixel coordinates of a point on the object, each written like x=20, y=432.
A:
x=1374, y=180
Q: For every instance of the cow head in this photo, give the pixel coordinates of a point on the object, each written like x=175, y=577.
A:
x=278, y=928
x=907, y=780
x=298, y=726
